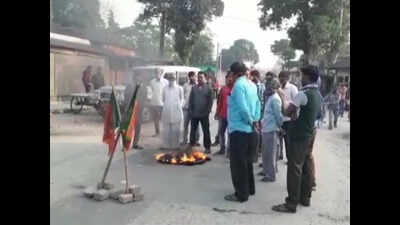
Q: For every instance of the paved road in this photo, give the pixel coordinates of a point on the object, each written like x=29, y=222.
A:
x=184, y=195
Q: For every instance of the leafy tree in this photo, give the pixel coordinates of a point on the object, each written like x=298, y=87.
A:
x=322, y=26
x=144, y=37
x=241, y=50
x=77, y=13
x=202, y=51
x=282, y=49
x=186, y=17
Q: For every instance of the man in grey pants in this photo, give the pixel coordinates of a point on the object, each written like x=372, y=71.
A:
x=271, y=123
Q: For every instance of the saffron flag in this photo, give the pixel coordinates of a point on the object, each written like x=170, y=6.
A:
x=111, y=123
x=130, y=119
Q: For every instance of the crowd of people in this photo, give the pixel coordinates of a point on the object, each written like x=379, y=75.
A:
x=259, y=118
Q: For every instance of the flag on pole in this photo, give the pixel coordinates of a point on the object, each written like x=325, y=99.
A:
x=130, y=119
x=111, y=122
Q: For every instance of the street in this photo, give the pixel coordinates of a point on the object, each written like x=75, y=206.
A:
x=187, y=195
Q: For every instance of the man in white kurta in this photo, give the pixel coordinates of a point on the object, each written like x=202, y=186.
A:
x=172, y=114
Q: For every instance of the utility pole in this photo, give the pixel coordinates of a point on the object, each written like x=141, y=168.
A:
x=162, y=34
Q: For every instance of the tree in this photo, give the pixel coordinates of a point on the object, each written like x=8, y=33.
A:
x=282, y=49
x=241, y=50
x=202, y=53
x=186, y=17
x=322, y=26
x=77, y=13
x=143, y=36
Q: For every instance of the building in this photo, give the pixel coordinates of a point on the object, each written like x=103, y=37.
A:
x=72, y=50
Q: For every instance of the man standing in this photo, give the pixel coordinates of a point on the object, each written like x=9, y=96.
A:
x=300, y=132
x=222, y=111
x=98, y=79
x=187, y=88
x=255, y=77
x=271, y=124
x=87, y=78
x=290, y=91
x=172, y=114
x=200, y=104
x=332, y=100
x=342, y=103
x=243, y=116
x=157, y=85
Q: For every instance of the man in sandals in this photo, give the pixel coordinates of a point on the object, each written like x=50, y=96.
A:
x=300, y=131
x=244, y=112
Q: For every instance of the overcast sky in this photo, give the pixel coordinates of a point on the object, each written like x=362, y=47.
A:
x=240, y=20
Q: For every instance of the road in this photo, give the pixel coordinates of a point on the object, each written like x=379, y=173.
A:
x=184, y=195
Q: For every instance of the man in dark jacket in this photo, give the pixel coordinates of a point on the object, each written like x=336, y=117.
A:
x=200, y=104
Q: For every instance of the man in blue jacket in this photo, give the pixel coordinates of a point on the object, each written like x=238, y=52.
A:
x=244, y=112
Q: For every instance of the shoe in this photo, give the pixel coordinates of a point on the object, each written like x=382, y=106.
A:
x=138, y=147
x=233, y=198
x=283, y=208
x=207, y=151
x=197, y=144
x=220, y=152
x=261, y=173
x=214, y=144
x=305, y=202
x=267, y=179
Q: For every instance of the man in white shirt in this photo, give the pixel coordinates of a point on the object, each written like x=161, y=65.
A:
x=172, y=114
x=156, y=104
x=290, y=91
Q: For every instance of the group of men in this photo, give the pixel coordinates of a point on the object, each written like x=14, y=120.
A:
x=255, y=115
x=251, y=117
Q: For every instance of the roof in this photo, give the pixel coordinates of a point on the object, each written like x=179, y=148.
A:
x=74, y=46
x=341, y=63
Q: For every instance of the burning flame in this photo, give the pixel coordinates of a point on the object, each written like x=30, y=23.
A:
x=195, y=157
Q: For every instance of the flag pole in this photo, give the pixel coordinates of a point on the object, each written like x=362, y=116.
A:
x=126, y=171
x=109, y=161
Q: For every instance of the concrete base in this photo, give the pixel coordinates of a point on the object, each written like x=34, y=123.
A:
x=134, y=189
x=125, y=198
x=106, y=186
x=115, y=194
x=101, y=195
x=89, y=191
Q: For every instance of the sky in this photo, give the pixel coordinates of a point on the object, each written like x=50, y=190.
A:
x=240, y=20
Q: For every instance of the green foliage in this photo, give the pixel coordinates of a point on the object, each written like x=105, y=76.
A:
x=202, y=51
x=144, y=38
x=241, y=50
x=322, y=26
x=77, y=13
x=186, y=17
x=282, y=49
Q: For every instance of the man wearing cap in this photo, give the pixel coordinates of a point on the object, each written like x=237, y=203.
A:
x=303, y=111
x=172, y=113
x=244, y=112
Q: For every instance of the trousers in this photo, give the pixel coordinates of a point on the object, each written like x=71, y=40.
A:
x=205, y=125
x=241, y=164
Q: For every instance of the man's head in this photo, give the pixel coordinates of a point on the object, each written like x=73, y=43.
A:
x=238, y=69
x=255, y=76
x=275, y=84
x=310, y=75
x=229, y=78
x=171, y=79
x=201, y=78
x=192, y=77
x=270, y=75
x=158, y=74
x=284, y=77
x=89, y=68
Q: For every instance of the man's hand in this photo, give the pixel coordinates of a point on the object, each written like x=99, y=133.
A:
x=256, y=127
x=216, y=117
